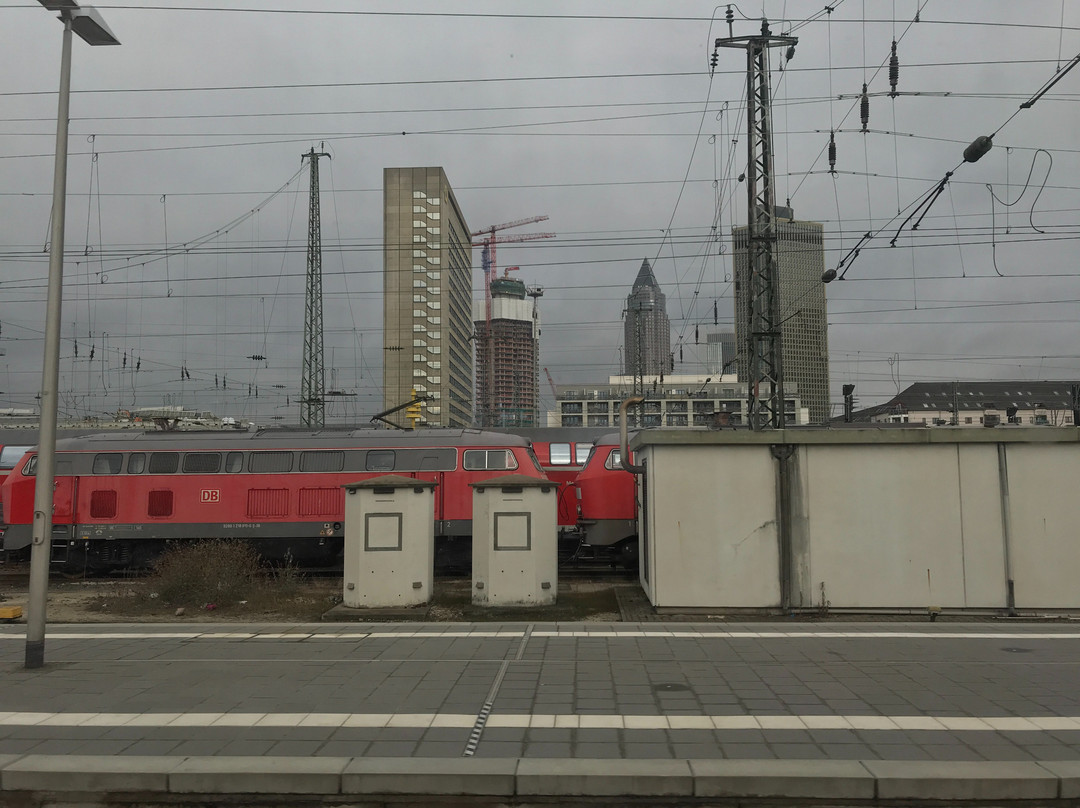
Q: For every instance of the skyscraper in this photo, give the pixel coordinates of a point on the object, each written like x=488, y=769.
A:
x=646, y=330
x=804, y=334
x=507, y=378
x=427, y=294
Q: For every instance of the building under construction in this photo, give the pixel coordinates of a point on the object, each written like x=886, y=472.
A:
x=508, y=364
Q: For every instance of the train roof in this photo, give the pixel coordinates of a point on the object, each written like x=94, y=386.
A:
x=269, y=439
x=559, y=434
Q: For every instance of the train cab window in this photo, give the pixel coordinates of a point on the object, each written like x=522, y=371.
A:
x=164, y=462
x=234, y=462
x=613, y=461
x=559, y=454
x=136, y=463
x=582, y=452
x=379, y=460
x=10, y=455
x=270, y=462
x=108, y=463
x=202, y=462
x=322, y=461
x=489, y=460
x=30, y=469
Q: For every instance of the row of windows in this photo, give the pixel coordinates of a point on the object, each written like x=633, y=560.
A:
x=377, y=460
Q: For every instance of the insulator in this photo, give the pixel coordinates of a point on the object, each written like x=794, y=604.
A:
x=864, y=107
x=124, y=363
x=978, y=147
x=894, y=71
x=790, y=53
x=715, y=60
x=715, y=316
x=76, y=349
x=832, y=153
x=91, y=351
x=696, y=340
x=729, y=15
x=215, y=381
x=138, y=364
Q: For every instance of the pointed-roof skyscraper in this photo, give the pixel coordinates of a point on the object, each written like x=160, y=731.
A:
x=647, y=331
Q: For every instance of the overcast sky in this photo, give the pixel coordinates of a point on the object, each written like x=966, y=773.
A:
x=602, y=115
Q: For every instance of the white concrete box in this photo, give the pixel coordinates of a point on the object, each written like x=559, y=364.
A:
x=515, y=549
x=389, y=542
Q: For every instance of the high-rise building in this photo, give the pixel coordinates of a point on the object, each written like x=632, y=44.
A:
x=646, y=329
x=508, y=364
x=804, y=334
x=720, y=350
x=427, y=295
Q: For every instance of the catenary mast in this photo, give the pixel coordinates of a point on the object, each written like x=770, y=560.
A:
x=312, y=401
x=765, y=399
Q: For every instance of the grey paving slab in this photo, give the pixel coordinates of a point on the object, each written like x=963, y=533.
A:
x=1069, y=774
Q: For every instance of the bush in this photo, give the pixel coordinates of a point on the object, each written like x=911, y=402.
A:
x=213, y=571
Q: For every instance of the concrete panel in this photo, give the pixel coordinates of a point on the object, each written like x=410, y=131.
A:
x=1044, y=550
x=981, y=536
x=430, y=776
x=715, y=542
x=567, y=776
x=805, y=779
x=884, y=526
x=997, y=780
x=257, y=775
x=88, y=773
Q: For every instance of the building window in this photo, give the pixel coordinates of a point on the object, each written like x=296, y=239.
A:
x=434, y=201
x=571, y=420
x=418, y=343
x=419, y=209
x=417, y=194
x=418, y=327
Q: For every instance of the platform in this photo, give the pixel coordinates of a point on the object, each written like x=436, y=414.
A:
x=867, y=712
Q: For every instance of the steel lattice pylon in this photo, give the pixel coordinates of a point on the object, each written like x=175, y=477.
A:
x=312, y=386
x=765, y=398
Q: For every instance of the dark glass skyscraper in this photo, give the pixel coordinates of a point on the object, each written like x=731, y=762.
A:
x=647, y=331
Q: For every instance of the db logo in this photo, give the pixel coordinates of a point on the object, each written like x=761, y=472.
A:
x=211, y=495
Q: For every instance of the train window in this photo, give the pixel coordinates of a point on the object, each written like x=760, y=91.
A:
x=322, y=461
x=136, y=462
x=202, y=462
x=234, y=462
x=108, y=463
x=425, y=459
x=164, y=462
x=102, y=504
x=582, y=452
x=270, y=462
x=379, y=460
x=30, y=469
x=10, y=455
x=559, y=454
x=160, y=503
x=489, y=459
x=613, y=461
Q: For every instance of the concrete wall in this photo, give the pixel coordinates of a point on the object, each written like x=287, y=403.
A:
x=875, y=519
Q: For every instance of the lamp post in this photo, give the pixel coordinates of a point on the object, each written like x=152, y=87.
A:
x=91, y=29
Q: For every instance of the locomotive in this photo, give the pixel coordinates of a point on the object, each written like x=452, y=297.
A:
x=607, y=504
x=121, y=497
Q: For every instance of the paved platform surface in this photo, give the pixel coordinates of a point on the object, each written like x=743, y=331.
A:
x=681, y=704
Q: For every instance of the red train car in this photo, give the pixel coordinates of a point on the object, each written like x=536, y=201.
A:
x=562, y=452
x=607, y=504
x=121, y=497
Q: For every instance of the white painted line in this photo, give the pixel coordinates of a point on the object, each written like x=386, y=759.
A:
x=673, y=634
x=937, y=723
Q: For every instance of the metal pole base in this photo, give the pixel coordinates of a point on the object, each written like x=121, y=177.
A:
x=35, y=654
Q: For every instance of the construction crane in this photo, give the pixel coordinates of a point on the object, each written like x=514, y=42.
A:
x=487, y=239
x=551, y=381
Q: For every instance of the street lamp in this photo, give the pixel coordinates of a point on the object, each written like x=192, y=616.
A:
x=87, y=23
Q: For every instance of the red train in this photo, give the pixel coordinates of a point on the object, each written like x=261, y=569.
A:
x=607, y=504
x=120, y=497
